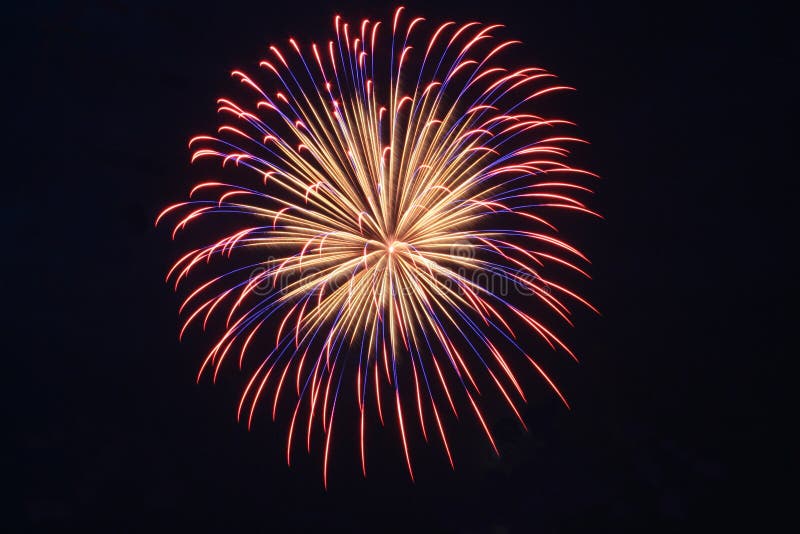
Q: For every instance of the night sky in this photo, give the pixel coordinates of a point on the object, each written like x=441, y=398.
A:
x=677, y=393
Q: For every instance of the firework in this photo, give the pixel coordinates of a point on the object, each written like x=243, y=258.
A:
x=398, y=186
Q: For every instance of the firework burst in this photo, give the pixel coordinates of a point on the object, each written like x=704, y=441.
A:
x=397, y=185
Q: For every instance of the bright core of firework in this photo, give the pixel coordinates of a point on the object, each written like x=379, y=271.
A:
x=393, y=235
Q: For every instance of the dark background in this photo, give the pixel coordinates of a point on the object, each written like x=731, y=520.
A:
x=687, y=108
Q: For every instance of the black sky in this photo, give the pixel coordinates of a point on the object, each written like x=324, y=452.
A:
x=677, y=393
